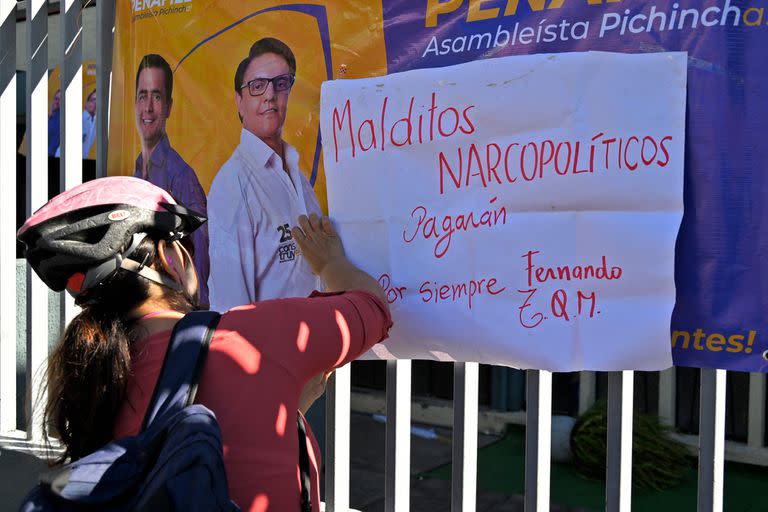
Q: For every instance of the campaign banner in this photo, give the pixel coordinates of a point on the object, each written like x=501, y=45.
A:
x=204, y=41
x=89, y=105
x=510, y=230
x=721, y=291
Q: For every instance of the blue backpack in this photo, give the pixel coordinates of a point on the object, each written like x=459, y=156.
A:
x=174, y=463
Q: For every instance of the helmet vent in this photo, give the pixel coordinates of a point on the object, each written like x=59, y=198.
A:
x=89, y=236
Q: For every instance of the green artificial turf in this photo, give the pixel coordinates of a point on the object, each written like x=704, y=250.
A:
x=501, y=468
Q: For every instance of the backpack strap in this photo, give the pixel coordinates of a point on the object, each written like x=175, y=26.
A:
x=184, y=360
x=306, y=498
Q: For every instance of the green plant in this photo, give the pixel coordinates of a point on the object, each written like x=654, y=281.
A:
x=658, y=461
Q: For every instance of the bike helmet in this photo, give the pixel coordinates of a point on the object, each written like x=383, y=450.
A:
x=83, y=236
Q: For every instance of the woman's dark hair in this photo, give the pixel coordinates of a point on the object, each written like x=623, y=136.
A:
x=89, y=368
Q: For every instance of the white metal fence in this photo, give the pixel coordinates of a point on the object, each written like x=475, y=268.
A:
x=29, y=21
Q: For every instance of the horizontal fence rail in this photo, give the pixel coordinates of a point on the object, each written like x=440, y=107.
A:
x=27, y=314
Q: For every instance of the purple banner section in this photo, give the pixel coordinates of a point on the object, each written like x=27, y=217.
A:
x=721, y=314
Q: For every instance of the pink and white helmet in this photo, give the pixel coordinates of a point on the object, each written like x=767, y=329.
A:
x=81, y=236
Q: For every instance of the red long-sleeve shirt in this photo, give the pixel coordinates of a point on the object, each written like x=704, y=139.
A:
x=260, y=357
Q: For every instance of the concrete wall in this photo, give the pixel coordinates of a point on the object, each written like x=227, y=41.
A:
x=54, y=327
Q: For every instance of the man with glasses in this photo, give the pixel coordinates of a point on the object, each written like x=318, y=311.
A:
x=255, y=199
x=259, y=192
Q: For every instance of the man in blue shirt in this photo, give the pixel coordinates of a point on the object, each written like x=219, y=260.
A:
x=158, y=162
x=54, y=120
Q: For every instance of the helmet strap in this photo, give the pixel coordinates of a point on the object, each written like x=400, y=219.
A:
x=141, y=269
x=150, y=274
x=100, y=273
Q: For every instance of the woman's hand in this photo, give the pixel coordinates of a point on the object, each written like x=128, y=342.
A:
x=323, y=250
x=319, y=242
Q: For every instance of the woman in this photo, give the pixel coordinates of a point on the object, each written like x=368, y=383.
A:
x=114, y=243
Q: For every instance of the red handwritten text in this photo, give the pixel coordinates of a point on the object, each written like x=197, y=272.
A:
x=542, y=274
x=494, y=164
x=393, y=292
x=435, y=292
x=437, y=121
x=558, y=307
x=427, y=226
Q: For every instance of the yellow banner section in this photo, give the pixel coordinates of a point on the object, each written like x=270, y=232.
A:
x=204, y=41
x=54, y=104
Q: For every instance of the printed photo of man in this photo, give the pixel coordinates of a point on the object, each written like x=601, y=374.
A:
x=158, y=162
x=89, y=125
x=54, y=123
x=260, y=191
x=256, y=197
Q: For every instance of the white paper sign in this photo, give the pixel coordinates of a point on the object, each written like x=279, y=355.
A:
x=519, y=211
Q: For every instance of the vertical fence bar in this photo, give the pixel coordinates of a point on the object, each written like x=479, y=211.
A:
x=397, y=488
x=337, y=440
x=466, y=379
x=756, y=407
x=711, y=440
x=105, y=26
x=668, y=396
x=538, y=439
x=37, y=195
x=587, y=390
x=618, y=484
x=71, y=78
x=71, y=66
x=8, y=286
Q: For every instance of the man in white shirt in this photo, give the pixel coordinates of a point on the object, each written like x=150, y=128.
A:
x=255, y=198
x=258, y=194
